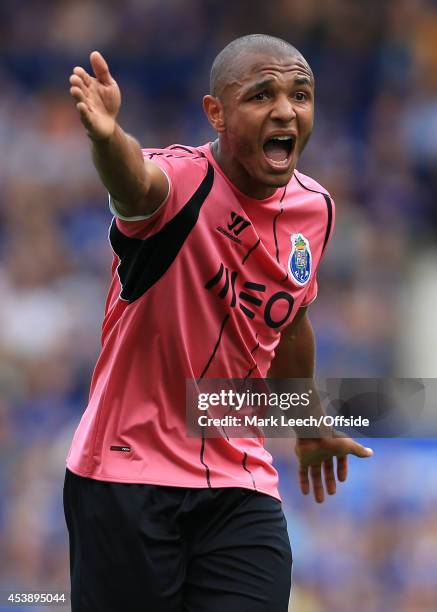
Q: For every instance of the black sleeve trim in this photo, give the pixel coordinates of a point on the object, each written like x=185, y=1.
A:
x=329, y=224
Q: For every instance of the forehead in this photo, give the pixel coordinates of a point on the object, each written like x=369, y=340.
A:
x=252, y=67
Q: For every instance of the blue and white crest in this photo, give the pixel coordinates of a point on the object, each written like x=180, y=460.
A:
x=300, y=260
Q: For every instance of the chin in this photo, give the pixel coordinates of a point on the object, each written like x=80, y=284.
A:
x=278, y=180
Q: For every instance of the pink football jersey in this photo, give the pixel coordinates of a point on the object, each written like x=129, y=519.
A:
x=201, y=288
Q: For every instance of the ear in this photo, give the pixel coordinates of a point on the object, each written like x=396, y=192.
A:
x=213, y=108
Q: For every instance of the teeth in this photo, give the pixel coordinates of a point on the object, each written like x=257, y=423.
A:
x=281, y=137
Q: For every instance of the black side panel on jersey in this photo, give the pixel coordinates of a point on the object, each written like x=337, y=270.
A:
x=144, y=262
x=329, y=207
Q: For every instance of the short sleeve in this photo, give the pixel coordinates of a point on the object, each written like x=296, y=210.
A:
x=113, y=206
x=185, y=171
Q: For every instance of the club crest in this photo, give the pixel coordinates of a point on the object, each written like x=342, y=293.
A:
x=299, y=262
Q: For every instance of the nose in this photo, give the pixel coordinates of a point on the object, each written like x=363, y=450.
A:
x=283, y=109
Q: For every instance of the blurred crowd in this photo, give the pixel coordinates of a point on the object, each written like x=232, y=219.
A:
x=374, y=547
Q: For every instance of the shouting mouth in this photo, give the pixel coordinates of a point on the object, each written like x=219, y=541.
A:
x=279, y=149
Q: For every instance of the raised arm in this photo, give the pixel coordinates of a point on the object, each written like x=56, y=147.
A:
x=138, y=186
x=295, y=358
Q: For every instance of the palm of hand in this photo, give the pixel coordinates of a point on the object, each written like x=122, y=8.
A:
x=103, y=102
x=97, y=98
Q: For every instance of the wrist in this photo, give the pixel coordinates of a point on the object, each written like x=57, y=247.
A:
x=105, y=138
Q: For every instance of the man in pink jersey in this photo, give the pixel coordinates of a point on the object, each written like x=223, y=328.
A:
x=216, y=250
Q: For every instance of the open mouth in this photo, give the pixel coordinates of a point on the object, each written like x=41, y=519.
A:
x=278, y=150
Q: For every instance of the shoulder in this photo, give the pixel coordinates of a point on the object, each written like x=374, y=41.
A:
x=177, y=155
x=325, y=205
x=186, y=168
x=309, y=184
x=190, y=180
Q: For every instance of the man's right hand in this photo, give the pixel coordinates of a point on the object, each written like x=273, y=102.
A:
x=98, y=98
x=137, y=186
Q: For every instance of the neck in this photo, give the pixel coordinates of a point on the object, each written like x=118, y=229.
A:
x=238, y=175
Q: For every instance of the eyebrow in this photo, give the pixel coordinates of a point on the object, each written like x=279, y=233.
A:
x=252, y=89
x=257, y=86
x=303, y=80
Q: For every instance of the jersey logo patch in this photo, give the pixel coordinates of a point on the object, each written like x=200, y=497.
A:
x=300, y=260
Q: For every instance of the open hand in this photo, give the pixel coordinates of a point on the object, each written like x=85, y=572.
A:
x=98, y=98
x=315, y=454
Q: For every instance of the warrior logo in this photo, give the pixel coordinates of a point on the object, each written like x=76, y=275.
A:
x=237, y=225
x=299, y=262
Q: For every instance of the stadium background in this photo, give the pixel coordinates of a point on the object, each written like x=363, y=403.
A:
x=374, y=546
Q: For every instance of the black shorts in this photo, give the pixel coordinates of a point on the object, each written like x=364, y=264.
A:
x=148, y=548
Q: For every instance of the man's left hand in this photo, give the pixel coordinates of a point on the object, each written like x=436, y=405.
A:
x=317, y=454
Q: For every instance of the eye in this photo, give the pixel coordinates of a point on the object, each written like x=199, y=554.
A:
x=301, y=96
x=260, y=96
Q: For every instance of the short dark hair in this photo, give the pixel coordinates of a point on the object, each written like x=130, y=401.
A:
x=223, y=64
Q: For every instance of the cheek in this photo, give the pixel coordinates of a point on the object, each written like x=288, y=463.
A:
x=242, y=140
x=248, y=147
x=308, y=119
x=306, y=123
x=242, y=133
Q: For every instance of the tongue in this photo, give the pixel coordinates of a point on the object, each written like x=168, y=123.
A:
x=276, y=150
